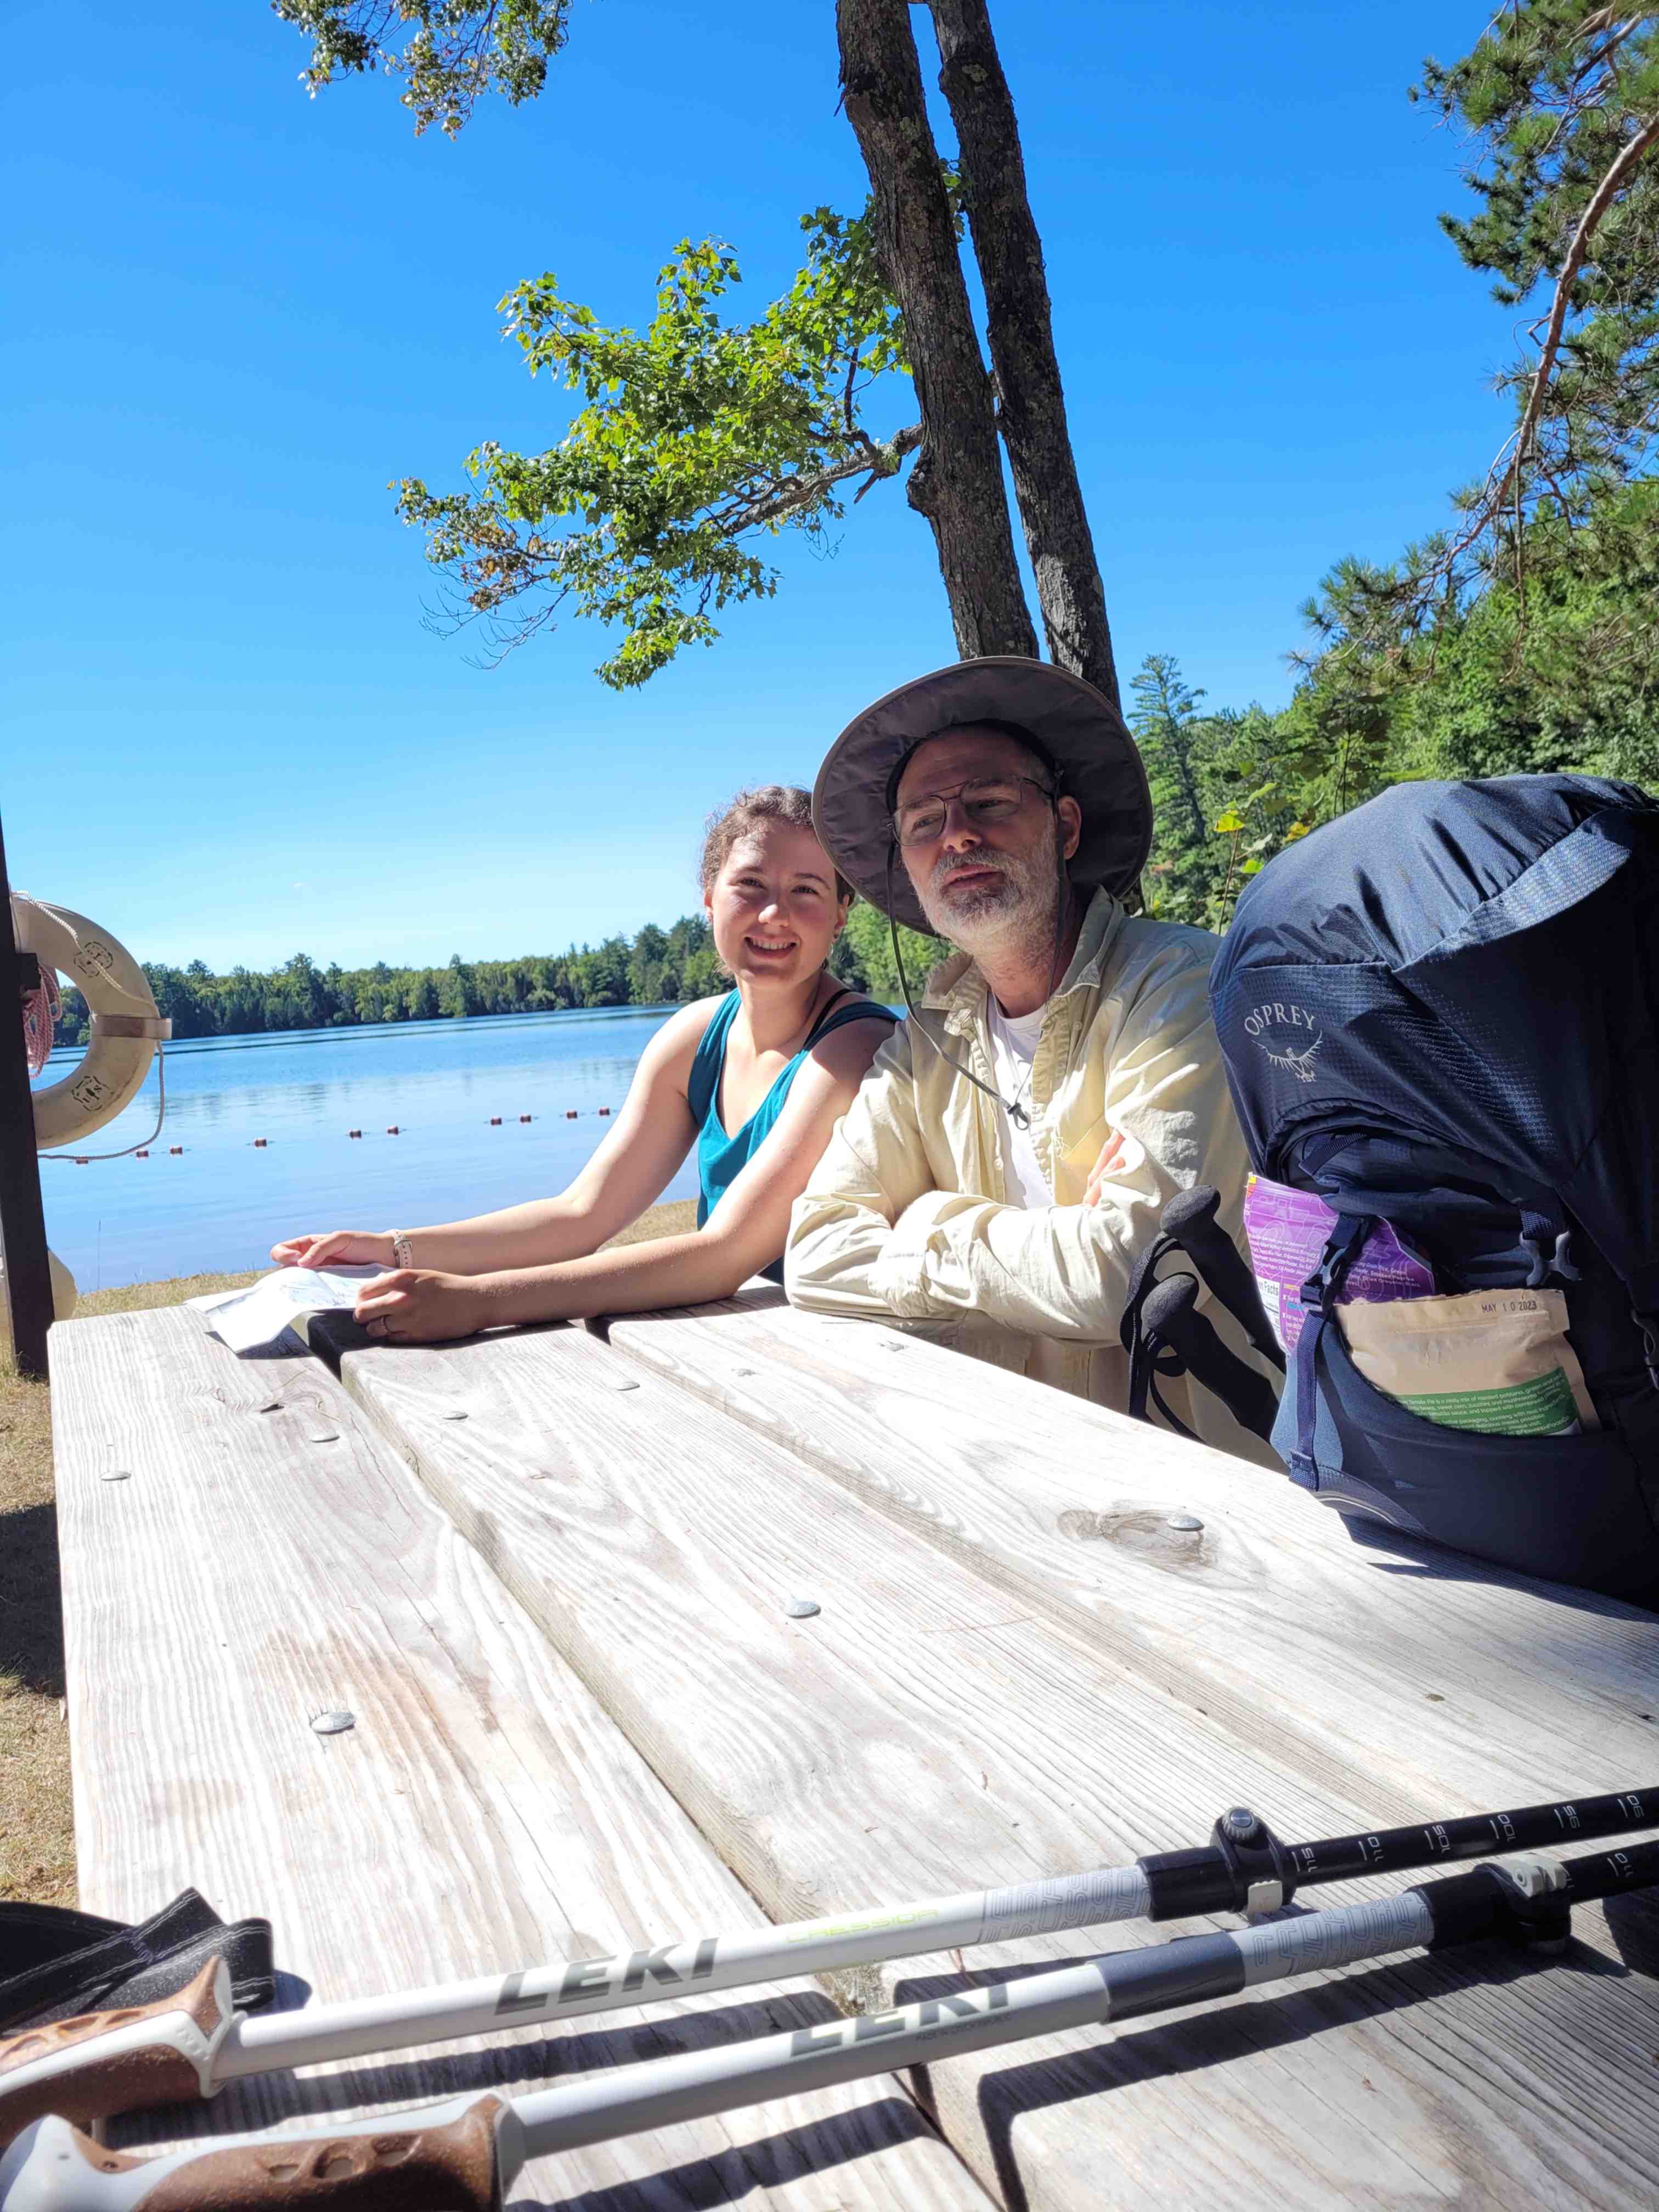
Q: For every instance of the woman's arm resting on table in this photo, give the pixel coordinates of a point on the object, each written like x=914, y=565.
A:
x=746, y=1232
x=642, y=1148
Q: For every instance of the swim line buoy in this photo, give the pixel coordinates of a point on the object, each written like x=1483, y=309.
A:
x=125, y=1025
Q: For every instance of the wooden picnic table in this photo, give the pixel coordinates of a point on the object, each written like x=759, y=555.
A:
x=269, y=1556
x=548, y=1573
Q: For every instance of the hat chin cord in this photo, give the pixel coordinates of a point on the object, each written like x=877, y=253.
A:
x=1011, y=1107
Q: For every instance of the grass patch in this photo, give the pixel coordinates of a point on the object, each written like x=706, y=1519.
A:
x=37, y=1828
x=37, y=1833
x=141, y=1298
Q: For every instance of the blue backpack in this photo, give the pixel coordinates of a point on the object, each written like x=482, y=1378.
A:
x=1443, y=1011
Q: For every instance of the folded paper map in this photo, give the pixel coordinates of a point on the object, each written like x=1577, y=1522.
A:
x=249, y=1319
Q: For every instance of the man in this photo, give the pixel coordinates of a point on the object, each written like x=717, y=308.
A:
x=1017, y=1140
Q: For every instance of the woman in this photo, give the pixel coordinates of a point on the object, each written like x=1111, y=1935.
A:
x=757, y=1080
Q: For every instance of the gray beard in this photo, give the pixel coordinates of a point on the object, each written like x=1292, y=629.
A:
x=990, y=921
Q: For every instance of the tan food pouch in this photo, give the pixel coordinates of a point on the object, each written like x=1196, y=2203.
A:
x=1494, y=1361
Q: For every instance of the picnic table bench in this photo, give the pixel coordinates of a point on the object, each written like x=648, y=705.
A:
x=548, y=1573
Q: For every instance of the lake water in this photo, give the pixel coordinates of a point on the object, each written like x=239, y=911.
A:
x=222, y=1203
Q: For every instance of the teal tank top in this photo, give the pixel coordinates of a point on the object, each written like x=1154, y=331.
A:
x=721, y=1158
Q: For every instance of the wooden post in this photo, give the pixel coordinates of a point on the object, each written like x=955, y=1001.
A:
x=22, y=1222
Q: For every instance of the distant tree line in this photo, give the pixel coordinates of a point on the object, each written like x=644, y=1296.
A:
x=657, y=967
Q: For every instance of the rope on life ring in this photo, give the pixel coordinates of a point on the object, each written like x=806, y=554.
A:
x=125, y=1025
x=41, y=1007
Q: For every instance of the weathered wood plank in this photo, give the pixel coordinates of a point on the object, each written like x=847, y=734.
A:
x=926, y=1731
x=1440, y=1678
x=267, y=1557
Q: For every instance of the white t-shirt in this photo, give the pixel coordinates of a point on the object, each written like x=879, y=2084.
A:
x=1014, y=1047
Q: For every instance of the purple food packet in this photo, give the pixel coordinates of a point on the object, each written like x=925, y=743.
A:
x=1287, y=1231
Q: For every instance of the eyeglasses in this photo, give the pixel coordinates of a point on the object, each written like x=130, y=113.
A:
x=984, y=800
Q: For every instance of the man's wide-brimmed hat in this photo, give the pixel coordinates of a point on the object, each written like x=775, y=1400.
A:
x=1078, y=727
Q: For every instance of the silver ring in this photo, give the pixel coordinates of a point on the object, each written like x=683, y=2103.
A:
x=378, y=1325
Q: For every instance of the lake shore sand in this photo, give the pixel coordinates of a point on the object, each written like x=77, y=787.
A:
x=37, y=1828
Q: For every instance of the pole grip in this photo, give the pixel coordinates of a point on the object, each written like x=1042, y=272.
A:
x=1171, y=1314
x=103, y=2063
x=456, y=2157
x=1190, y=1219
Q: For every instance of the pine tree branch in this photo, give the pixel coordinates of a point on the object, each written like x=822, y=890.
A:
x=1608, y=18
x=1600, y=201
x=1520, y=448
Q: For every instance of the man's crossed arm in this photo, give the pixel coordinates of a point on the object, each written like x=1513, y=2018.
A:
x=874, y=1235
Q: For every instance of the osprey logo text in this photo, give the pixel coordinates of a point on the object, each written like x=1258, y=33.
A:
x=1288, y=1034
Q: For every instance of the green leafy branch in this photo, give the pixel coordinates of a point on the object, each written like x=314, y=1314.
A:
x=696, y=438
x=1247, y=860
x=452, y=51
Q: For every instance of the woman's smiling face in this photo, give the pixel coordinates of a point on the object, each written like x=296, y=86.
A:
x=773, y=906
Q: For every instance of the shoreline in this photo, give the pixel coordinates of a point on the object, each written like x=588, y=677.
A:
x=332, y=1031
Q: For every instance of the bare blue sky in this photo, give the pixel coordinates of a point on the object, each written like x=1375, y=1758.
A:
x=234, y=314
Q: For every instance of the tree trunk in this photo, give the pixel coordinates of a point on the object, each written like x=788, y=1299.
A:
x=1032, y=414
x=957, y=481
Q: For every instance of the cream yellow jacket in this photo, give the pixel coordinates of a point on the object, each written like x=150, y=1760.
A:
x=907, y=1215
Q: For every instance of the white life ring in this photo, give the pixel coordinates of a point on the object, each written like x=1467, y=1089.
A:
x=125, y=1025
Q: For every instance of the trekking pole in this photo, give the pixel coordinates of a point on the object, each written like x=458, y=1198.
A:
x=1190, y=1219
x=1175, y=1326
x=190, y=2045
x=1164, y=1335
x=464, y=2155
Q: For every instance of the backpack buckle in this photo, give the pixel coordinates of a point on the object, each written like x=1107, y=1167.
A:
x=1560, y=1262
x=1317, y=1293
